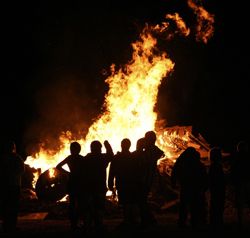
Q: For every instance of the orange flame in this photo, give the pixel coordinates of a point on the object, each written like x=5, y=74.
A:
x=130, y=102
x=205, y=22
x=181, y=25
x=132, y=95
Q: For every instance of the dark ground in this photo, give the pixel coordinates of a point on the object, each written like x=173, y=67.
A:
x=166, y=228
x=55, y=224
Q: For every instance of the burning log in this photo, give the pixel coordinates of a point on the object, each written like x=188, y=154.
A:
x=51, y=185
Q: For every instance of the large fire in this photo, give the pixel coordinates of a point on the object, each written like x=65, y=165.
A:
x=130, y=101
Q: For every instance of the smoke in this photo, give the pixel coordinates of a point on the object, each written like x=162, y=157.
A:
x=63, y=107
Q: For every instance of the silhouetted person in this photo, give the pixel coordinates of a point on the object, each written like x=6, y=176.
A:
x=123, y=177
x=216, y=188
x=139, y=155
x=96, y=186
x=75, y=164
x=240, y=173
x=190, y=174
x=152, y=153
x=11, y=171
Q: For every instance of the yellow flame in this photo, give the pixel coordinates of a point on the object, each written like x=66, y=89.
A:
x=45, y=159
x=130, y=102
x=52, y=173
x=132, y=96
x=36, y=176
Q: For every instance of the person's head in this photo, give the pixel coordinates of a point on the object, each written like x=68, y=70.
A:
x=215, y=155
x=190, y=151
x=191, y=154
x=125, y=144
x=75, y=148
x=150, y=138
x=140, y=144
x=9, y=146
x=96, y=147
x=242, y=147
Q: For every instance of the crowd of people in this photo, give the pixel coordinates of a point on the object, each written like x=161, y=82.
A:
x=203, y=188
x=131, y=178
x=131, y=175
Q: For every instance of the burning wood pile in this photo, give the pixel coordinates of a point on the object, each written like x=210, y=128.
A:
x=176, y=140
x=50, y=185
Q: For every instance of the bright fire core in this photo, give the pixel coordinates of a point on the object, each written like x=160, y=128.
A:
x=129, y=103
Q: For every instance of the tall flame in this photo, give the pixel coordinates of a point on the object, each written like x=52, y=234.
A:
x=130, y=102
x=132, y=95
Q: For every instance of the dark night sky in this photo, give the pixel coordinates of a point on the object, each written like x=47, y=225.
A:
x=55, y=56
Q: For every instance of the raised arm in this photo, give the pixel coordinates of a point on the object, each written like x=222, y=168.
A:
x=109, y=150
